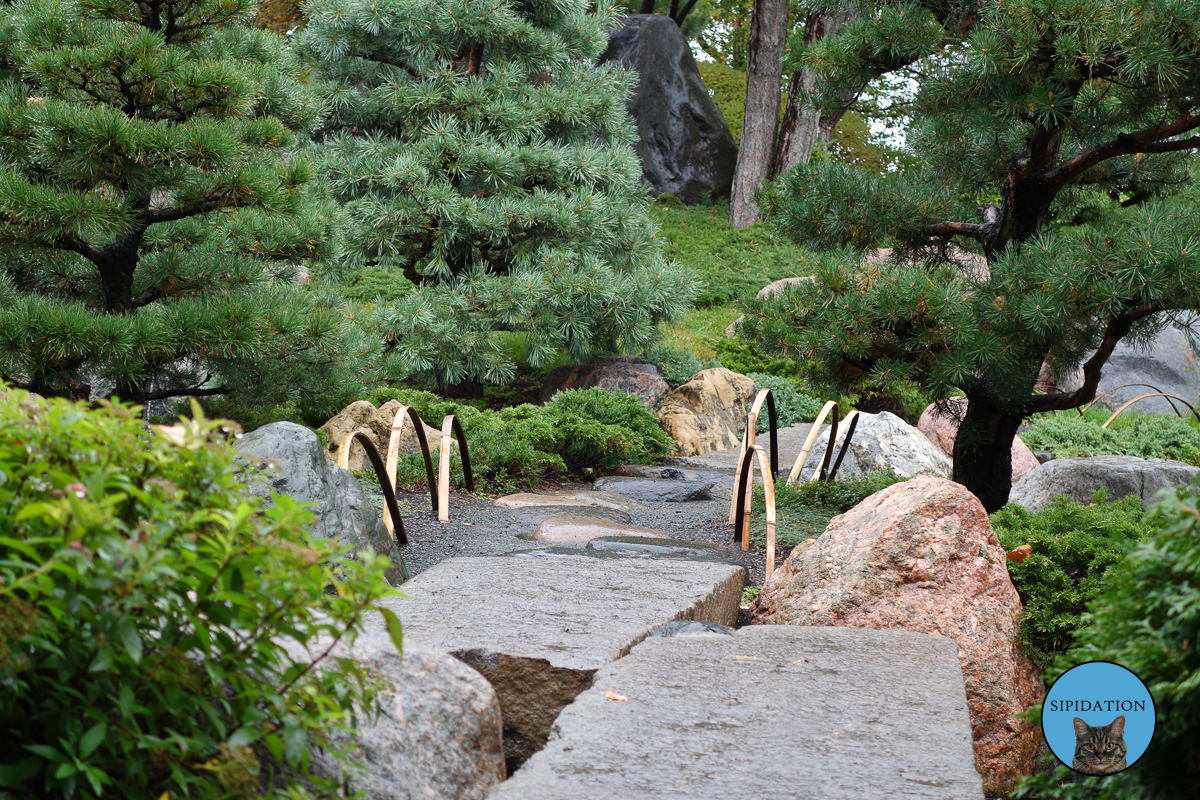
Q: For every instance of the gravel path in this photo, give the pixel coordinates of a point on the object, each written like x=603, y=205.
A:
x=477, y=527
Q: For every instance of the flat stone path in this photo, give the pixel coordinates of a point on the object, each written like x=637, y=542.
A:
x=769, y=712
x=791, y=439
x=538, y=628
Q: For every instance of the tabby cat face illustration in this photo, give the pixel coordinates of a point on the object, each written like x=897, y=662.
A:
x=1100, y=749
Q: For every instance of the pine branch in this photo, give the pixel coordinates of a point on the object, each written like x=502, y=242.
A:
x=1148, y=140
x=196, y=391
x=969, y=229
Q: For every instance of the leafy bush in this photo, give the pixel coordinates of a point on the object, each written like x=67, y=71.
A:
x=1147, y=619
x=676, y=364
x=791, y=406
x=1067, y=434
x=1074, y=546
x=743, y=356
x=521, y=445
x=804, y=509
x=146, y=602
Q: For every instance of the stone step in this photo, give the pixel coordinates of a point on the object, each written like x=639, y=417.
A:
x=569, y=497
x=577, y=529
x=769, y=712
x=710, y=477
x=658, y=490
x=636, y=545
x=539, y=628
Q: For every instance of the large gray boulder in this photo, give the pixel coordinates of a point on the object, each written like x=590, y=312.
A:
x=622, y=373
x=1169, y=362
x=881, y=440
x=288, y=458
x=1077, y=478
x=684, y=144
x=439, y=733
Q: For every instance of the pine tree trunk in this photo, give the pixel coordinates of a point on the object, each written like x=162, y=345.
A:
x=803, y=126
x=764, y=73
x=983, y=448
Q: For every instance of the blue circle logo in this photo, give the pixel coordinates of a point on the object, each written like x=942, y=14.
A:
x=1098, y=718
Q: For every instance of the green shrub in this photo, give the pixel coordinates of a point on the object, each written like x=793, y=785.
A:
x=675, y=364
x=1147, y=619
x=146, y=601
x=1074, y=547
x=804, y=509
x=791, y=406
x=521, y=445
x=743, y=356
x=1067, y=434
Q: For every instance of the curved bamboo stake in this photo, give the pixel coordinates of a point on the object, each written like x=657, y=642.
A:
x=751, y=434
x=745, y=481
x=1152, y=394
x=808, y=442
x=451, y=425
x=853, y=417
x=393, y=521
x=393, y=455
x=826, y=473
x=1102, y=395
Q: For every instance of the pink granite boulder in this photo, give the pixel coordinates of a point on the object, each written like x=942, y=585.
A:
x=940, y=426
x=922, y=556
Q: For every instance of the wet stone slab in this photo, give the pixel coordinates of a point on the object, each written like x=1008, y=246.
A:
x=539, y=628
x=769, y=712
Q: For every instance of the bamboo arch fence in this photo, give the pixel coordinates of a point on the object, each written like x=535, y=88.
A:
x=439, y=484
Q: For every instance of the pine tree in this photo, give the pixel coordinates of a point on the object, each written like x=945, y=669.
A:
x=153, y=222
x=1050, y=138
x=483, y=155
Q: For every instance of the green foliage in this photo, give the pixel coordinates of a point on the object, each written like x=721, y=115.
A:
x=148, y=611
x=728, y=87
x=373, y=282
x=743, y=356
x=676, y=364
x=803, y=510
x=1067, y=434
x=1147, y=619
x=731, y=264
x=1074, y=546
x=480, y=152
x=791, y=406
x=155, y=208
x=522, y=445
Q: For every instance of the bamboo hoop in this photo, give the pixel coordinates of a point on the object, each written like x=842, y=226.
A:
x=451, y=426
x=750, y=435
x=808, y=442
x=1152, y=394
x=851, y=422
x=743, y=495
x=392, y=520
x=1102, y=395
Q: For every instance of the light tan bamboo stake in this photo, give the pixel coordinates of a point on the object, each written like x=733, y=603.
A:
x=808, y=442
x=748, y=439
x=764, y=467
x=443, y=488
x=843, y=426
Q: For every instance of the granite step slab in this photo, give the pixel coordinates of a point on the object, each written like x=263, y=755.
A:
x=579, y=529
x=569, y=497
x=658, y=490
x=709, y=477
x=539, y=628
x=769, y=712
x=637, y=544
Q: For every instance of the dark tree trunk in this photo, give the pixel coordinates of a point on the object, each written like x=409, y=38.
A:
x=803, y=126
x=764, y=73
x=647, y=7
x=983, y=448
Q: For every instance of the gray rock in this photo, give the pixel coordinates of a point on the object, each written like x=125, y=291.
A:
x=1170, y=363
x=880, y=440
x=1042, y=456
x=709, y=477
x=691, y=628
x=288, y=458
x=532, y=516
x=1077, y=478
x=847, y=714
x=656, y=546
x=539, y=628
x=557, y=551
x=439, y=733
x=569, y=497
x=684, y=145
x=654, y=489
x=623, y=373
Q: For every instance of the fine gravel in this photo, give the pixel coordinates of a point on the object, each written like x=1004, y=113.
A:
x=478, y=527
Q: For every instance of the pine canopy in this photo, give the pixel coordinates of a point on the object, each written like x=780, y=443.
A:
x=1050, y=137
x=482, y=154
x=152, y=215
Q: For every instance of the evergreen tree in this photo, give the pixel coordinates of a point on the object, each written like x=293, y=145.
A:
x=153, y=226
x=1047, y=136
x=482, y=155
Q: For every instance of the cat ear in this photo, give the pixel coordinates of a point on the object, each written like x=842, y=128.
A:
x=1081, y=728
x=1117, y=726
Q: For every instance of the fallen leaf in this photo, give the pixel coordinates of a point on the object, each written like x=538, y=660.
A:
x=620, y=698
x=1021, y=553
